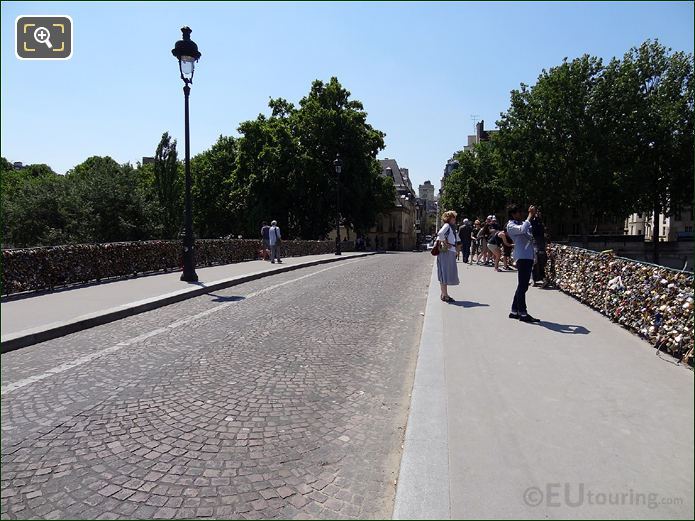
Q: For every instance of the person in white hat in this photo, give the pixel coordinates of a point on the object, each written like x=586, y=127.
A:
x=275, y=238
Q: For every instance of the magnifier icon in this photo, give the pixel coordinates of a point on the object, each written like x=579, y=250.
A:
x=43, y=35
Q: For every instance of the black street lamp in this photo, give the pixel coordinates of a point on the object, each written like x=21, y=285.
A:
x=338, y=166
x=186, y=51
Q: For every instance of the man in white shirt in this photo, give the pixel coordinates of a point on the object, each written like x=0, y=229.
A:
x=274, y=238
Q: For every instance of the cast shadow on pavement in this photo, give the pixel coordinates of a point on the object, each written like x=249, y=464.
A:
x=468, y=304
x=673, y=361
x=220, y=298
x=564, y=328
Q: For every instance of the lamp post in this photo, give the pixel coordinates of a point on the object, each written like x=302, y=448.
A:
x=338, y=166
x=186, y=51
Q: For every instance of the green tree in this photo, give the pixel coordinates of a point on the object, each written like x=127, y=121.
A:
x=269, y=162
x=329, y=122
x=5, y=165
x=31, y=207
x=474, y=187
x=212, y=171
x=285, y=165
x=105, y=202
x=550, y=141
x=168, y=184
x=649, y=98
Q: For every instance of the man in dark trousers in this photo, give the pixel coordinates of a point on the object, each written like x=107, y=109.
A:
x=275, y=238
x=465, y=231
x=520, y=232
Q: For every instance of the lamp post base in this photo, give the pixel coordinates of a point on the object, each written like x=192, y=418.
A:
x=188, y=274
x=189, y=277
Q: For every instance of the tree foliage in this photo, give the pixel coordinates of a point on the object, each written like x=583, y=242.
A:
x=474, y=187
x=280, y=168
x=285, y=165
x=596, y=140
x=211, y=172
x=31, y=210
x=96, y=201
x=168, y=184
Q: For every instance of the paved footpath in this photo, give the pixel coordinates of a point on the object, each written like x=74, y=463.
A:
x=571, y=418
x=283, y=397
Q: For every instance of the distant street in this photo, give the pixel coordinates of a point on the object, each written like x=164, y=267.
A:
x=282, y=397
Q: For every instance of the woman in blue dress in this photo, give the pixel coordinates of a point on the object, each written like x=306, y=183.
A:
x=447, y=270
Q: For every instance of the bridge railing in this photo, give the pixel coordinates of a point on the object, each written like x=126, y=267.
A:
x=653, y=301
x=47, y=268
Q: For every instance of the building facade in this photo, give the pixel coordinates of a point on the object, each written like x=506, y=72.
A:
x=450, y=166
x=480, y=135
x=671, y=228
x=396, y=230
x=426, y=191
x=429, y=213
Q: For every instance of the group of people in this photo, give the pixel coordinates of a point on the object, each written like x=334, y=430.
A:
x=272, y=238
x=487, y=243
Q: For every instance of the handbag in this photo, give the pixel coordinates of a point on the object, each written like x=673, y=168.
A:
x=435, y=250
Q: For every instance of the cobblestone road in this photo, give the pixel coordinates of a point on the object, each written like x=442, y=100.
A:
x=283, y=397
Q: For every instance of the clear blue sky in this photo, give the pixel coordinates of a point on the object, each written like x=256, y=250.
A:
x=421, y=69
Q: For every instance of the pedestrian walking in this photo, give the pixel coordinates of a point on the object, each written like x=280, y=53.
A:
x=274, y=238
x=447, y=271
x=465, y=231
x=520, y=232
x=265, y=237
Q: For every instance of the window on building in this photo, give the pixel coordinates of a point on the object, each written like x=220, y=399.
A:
x=689, y=229
x=639, y=232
